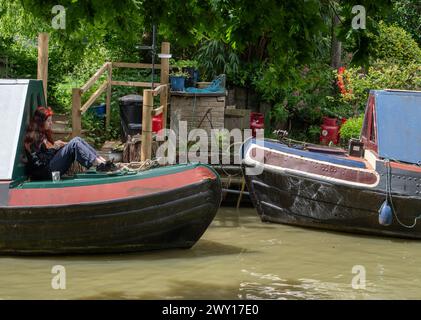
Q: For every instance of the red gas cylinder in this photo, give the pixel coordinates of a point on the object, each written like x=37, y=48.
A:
x=157, y=123
x=329, y=131
x=257, y=121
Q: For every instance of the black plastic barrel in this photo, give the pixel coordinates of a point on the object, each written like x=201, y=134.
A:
x=130, y=115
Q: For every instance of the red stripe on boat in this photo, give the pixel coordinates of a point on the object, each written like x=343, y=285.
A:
x=109, y=191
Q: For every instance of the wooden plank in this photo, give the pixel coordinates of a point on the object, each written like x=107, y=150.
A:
x=76, y=115
x=146, y=148
x=158, y=90
x=109, y=93
x=237, y=112
x=134, y=84
x=157, y=111
x=94, y=96
x=42, y=72
x=135, y=65
x=94, y=78
x=165, y=71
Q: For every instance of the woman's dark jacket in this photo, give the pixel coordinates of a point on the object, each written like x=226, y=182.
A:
x=38, y=162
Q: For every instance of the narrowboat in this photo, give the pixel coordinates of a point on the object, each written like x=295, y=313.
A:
x=91, y=212
x=375, y=188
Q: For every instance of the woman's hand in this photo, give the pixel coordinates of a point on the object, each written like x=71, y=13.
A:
x=59, y=144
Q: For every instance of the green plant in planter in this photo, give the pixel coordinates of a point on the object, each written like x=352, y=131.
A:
x=180, y=64
x=179, y=74
x=193, y=64
x=351, y=128
x=178, y=79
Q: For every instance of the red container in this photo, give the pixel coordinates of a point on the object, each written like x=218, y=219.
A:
x=157, y=123
x=257, y=121
x=329, y=131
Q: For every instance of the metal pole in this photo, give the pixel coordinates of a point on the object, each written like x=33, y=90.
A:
x=153, y=53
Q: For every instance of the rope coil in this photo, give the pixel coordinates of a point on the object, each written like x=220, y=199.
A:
x=137, y=166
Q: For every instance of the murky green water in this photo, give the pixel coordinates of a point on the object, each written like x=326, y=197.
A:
x=238, y=258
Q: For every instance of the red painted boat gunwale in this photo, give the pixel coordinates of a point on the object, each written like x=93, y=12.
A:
x=108, y=192
x=311, y=166
x=405, y=167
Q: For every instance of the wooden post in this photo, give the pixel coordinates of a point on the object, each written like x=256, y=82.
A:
x=109, y=92
x=76, y=114
x=146, y=148
x=165, y=70
x=42, y=73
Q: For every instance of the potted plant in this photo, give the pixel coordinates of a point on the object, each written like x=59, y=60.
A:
x=177, y=79
x=191, y=67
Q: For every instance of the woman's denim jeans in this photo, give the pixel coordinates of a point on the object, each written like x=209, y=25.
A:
x=77, y=149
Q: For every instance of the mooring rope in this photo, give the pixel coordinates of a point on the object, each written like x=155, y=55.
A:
x=137, y=166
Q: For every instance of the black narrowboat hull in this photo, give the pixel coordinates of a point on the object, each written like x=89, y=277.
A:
x=159, y=220
x=296, y=200
x=340, y=193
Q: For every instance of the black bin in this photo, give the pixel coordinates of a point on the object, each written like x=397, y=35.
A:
x=130, y=115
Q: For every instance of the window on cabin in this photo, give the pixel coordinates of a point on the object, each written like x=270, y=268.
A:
x=364, y=132
x=372, y=128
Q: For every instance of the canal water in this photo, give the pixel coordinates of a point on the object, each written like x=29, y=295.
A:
x=238, y=257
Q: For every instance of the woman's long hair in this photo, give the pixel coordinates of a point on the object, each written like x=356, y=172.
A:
x=36, y=132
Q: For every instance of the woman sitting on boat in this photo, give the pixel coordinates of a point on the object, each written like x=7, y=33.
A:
x=46, y=155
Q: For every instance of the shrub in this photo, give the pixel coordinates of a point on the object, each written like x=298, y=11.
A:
x=394, y=44
x=381, y=75
x=351, y=128
x=299, y=94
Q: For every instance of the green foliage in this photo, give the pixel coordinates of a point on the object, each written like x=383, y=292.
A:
x=300, y=93
x=179, y=74
x=216, y=57
x=395, y=45
x=381, y=75
x=407, y=14
x=352, y=128
x=180, y=64
x=279, y=113
x=178, y=67
x=359, y=41
x=281, y=49
x=313, y=133
x=395, y=63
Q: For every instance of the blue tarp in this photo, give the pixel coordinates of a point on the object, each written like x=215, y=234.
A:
x=216, y=86
x=398, y=116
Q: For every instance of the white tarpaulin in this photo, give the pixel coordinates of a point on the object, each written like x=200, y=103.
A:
x=13, y=95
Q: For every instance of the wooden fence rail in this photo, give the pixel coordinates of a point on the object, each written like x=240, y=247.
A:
x=160, y=89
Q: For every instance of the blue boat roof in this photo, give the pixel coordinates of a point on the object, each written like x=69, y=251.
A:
x=398, y=117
